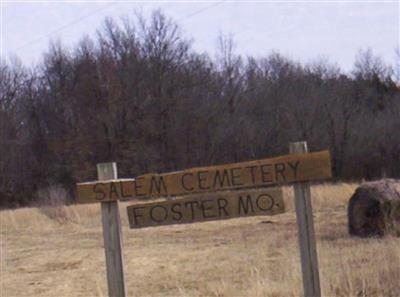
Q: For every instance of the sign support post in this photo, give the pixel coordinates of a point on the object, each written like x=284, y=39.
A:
x=306, y=233
x=112, y=235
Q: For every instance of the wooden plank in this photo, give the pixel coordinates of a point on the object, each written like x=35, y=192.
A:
x=112, y=235
x=284, y=169
x=106, y=190
x=306, y=233
x=207, y=207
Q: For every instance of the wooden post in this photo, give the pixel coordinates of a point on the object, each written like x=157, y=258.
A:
x=112, y=235
x=305, y=223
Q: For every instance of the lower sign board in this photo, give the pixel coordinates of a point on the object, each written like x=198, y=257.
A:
x=207, y=207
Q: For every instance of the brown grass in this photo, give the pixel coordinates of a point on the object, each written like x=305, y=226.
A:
x=238, y=257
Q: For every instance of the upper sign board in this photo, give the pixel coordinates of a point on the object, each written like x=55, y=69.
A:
x=284, y=169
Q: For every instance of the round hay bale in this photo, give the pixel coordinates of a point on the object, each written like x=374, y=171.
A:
x=374, y=209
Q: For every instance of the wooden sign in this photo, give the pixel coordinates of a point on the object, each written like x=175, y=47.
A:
x=207, y=207
x=285, y=169
x=300, y=167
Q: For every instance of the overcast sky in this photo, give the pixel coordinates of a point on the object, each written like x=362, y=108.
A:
x=303, y=30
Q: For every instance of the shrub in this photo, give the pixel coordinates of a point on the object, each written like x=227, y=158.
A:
x=51, y=202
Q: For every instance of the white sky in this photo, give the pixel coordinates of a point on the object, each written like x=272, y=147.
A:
x=303, y=30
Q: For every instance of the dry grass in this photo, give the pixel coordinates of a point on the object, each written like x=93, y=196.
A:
x=238, y=257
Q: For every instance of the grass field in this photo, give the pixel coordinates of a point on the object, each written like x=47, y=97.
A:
x=255, y=256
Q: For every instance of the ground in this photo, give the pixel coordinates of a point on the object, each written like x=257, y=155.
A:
x=257, y=256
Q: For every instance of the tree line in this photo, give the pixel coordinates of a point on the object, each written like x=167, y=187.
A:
x=140, y=95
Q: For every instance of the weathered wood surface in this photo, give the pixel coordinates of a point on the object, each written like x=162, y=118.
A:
x=105, y=190
x=284, y=169
x=207, y=207
x=374, y=209
x=306, y=233
x=112, y=236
